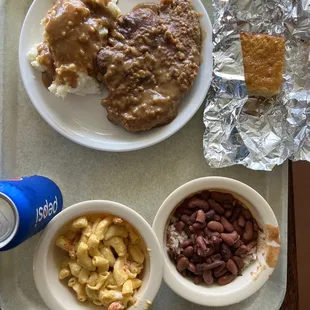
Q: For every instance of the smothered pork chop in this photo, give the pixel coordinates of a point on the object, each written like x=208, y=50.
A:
x=151, y=62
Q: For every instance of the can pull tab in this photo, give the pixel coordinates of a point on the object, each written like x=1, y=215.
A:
x=7, y=220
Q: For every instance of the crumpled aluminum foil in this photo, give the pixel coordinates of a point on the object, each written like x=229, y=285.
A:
x=255, y=132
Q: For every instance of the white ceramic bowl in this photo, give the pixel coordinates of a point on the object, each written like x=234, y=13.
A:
x=48, y=257
x=253, y=277
x=83, y=119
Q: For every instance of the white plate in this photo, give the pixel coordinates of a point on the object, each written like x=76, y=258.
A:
x=83, y=119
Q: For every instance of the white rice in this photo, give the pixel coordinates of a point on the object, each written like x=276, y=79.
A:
x=250, y=257
x=175, y=239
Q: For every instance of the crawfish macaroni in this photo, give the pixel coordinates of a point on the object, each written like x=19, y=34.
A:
x=105, y=256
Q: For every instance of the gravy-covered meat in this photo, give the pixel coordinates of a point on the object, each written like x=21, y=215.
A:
x=151, y=61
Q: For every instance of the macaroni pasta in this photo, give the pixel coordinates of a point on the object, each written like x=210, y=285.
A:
x=105, y=256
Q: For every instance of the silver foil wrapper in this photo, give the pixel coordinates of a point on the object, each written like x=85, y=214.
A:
x=255, y=132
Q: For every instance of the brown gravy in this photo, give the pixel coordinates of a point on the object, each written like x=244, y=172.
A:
x=47, y=79
x=72, y=40
x=150, y=63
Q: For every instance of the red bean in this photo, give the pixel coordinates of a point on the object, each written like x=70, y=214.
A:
x=237, y=244
x=207, y=232
x=216, y=234
x=238, y=228
x=235, y=235
x=210, y=214
x=226, y=279
x=184, y=273
x=241, y=221
x=183, y=211
x=207, y=241
x=201, y=267
x=217, y=207
x=248, y=231
x=239, y=262
x=201, y=252
x=193, y=217
x=201, y=243
x=251, y=245
x=215, y=226
x=201, y=216
x=222, y=197
x=198, y=280
x=247, y=213
x=186, y=219
x=213, y=239
x=187, y=231
x=228, y=213
x=205, y=194
x=227, y=205
x=207, y=277
x=191, y=267
x=227, y=225
x=200, y=233
x=232, y=267
x=225, y=252
x=193, y=238
x=228, y=239
x=204, y=266
x=179, y=226
x=215, y=257
x=255, y=225
x=187, y=243
x=196, y=259
x=198, y=203
x=235, y=214
x=188, y=252
x=210, y=251
x=217, y=246
x=182, y=263
x=198, y=227
x=216, y=243
x=219, y=268
x=204, y=253
x=220, y=273
x=217, y=217
x=241, y=250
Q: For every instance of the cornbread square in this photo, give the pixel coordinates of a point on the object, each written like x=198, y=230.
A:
x=263, y=59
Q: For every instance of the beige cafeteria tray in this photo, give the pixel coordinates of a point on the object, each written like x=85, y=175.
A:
x=140, y=179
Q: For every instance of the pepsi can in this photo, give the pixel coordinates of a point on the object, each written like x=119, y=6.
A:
x=26, y=206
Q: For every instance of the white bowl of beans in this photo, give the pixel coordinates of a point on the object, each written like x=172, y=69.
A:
x=98, y=255
x=220, y=241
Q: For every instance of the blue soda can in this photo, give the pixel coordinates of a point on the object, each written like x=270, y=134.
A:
x=26, y=206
